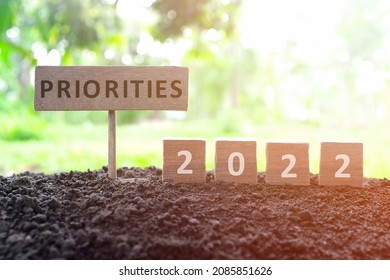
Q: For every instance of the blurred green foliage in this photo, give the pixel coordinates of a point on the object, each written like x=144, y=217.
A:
x=280, y=64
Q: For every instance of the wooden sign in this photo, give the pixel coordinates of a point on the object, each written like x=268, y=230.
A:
x=341, y=163
x=62, y=88
x=184, y=160
x=236, y=161
x=287, y=163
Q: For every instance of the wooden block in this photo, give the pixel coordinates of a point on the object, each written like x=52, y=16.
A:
x=112, y=173
x=184, y=160
x=61, y=88
x=236, y=161
x=287, y=163
x=341, y=163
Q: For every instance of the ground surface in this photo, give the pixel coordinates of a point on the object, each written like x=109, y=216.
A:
x=86, y=216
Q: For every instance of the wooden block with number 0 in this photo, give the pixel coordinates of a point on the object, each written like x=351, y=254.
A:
x=236, y=161
x=287, y=163
x=341, y=163
x=184, y=160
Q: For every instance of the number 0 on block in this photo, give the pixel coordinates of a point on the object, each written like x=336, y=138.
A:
x=341, y=164
x=235, y=161
x=184, y=160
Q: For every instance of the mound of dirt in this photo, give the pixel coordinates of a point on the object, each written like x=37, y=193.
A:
x=84, y=215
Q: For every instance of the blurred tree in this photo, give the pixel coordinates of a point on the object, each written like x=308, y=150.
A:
x=33, y=27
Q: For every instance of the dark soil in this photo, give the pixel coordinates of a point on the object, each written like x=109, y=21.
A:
x=84, y=215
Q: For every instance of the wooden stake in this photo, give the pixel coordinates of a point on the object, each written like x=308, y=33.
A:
x=112, y=144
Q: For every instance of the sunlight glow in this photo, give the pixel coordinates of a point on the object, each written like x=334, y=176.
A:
x=109, y=54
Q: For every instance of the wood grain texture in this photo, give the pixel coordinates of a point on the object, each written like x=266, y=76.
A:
x=333, y=156
x=287, y=163
x=62, y=88
x=236, y=161
x=112, y=174
x=176, y=154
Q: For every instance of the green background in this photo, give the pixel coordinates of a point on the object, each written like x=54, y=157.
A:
x=269, y=70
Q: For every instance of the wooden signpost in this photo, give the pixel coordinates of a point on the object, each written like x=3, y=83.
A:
x=287, y=163
x=111, y=88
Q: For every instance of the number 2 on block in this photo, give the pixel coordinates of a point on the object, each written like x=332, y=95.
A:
x=241, y=162
x=286, y=173
x=339, y=173
x=188, y=157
